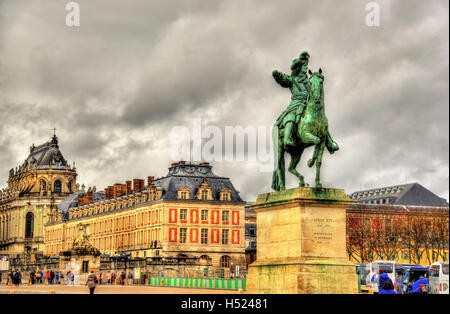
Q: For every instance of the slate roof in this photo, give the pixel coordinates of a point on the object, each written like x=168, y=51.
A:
x=72, y=200
x=412, y=194
x=192, y=176
x=180, y=175
x=45, y=155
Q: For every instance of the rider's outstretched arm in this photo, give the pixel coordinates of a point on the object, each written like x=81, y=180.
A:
x=283, y=79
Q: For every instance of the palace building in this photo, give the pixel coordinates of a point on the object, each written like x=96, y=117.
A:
x=189, y=213
x=31, y=197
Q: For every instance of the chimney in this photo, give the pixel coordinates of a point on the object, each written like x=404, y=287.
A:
x=110, y=191
x=118, y=190
x=85, y=198
x=150, y=180
x=129, y=190
x=138, y=185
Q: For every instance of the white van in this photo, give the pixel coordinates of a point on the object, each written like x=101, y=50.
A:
x=388, y=268
x=438, y=278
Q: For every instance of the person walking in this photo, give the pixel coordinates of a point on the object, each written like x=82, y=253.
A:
x=382, y=279
x=122, y=278
x=33, y=277
x=52, y=277
x=17, y=278
x=72, y=278
x=100, y=277
x=47, y=276
x=387, y=288
x=91, y=282
x=130, y=278
x=109, y=278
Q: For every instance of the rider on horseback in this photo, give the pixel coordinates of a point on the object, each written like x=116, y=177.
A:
x=299, y=85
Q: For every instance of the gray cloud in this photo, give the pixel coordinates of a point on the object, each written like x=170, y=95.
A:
x=115, y=86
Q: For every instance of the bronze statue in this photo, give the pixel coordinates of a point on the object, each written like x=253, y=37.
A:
x=303, y=123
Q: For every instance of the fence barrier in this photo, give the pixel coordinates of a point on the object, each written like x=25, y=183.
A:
x=207, y=283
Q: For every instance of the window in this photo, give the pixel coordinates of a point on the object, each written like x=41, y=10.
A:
x=183, y=232
x=204, y=215
x=225, y=261
x=85, y=267
x=183, y=193
x=225, y=215
x=225, y=197
x=29, y=225
x=57, y=186
x=204, y=195
x=224, y=236
x=43, y=185
x=204, y=236
x=183, y=214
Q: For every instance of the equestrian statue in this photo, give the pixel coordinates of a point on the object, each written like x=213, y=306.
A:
x=302, y=124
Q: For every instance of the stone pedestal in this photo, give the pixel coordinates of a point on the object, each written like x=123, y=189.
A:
x=301, y=238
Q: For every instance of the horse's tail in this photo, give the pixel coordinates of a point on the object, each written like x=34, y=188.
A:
x=278, y=160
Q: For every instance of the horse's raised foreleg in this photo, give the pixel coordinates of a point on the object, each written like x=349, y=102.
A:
x=309, y=138
x=295, y=159
x=319, y=163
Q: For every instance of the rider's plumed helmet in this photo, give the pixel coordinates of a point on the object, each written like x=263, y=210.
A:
x=302, y=59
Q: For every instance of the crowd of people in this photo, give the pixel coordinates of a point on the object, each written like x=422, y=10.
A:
x=55, y=278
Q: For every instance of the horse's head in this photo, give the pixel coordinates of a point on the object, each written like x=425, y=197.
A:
x=316, y=80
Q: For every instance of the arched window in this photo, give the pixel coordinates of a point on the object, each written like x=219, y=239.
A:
x=57, y=186
x=43, y=185
x=225, y=261
x=29, y=225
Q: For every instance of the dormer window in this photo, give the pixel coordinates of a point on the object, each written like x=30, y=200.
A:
x=183, y=193
x=225, y=195
x=204, y=191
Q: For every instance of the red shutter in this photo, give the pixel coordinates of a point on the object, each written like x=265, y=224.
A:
x=172, y=234
x=194, y=235
x=214, y=235
x=235, y=217
x=235, y=236
x=215, y=217
x=172, y=215
x=194, y=216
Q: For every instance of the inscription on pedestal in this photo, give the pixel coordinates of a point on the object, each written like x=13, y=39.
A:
x=322, y=230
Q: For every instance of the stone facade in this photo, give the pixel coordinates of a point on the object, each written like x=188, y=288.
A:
x=31, y=197
x=190, y=213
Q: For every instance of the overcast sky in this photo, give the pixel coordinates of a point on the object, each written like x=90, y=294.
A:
x=115, y=86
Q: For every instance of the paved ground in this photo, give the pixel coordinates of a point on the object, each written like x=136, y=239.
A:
x=105, y=289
